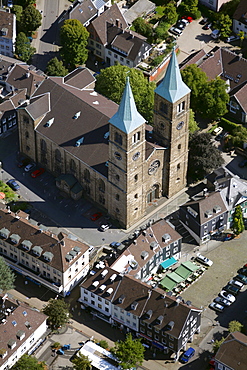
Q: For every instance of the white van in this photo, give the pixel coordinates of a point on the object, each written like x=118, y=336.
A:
x=215, y=34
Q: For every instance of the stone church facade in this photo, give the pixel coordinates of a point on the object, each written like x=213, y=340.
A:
x=107, y=152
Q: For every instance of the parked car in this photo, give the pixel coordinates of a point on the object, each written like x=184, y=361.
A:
x=189, y=19
x=243, y=271
x=37, y=173
x=228, y=237
x=243, y=163
x=186, y=356
x=105, y=227
x=10, y=3
x=206, y=261
x=207, y=26
x=227, y=295
x=222, y=301
x=237, y=283
x=232, y=289
x=203, y=21
x=115, y=244
x=232, y=38
x=29, y=167
x=217, y=130
x=180, y=25
x=216, y=306
x=241, y=278
x=96, y=216
x=13, y=184
x=23, y=162
x=176, y=31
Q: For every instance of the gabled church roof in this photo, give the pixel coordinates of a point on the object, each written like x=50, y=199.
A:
x=127, y=118
x=172, y=87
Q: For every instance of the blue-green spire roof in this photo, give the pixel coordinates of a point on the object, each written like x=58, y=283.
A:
x=172, y=87
x=127, y=117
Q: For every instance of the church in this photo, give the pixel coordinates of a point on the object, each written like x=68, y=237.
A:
x=106, y=152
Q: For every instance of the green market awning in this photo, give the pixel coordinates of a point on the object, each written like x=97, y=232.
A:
x=169, y=262
x=190, y=266
x=167, y=283
x=175, y=277
x=183, y=272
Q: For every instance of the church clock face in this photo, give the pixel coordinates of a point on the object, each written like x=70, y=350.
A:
x=180, y=125
x=136, y=156
x=153, y=167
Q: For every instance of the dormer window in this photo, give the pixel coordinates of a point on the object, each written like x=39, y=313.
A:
x=37, y=250
x=121, y=298
x=136, y=137
x=15, y=238
x=4, y=233
x=166, y=238
x=134, y=305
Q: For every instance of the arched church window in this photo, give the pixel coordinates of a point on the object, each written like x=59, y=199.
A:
x=58, y=157
x=43, y=145
x=86, y=175
x=72, y=165
x=101, y=186
x=163, y=107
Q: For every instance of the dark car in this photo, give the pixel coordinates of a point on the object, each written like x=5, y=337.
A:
x=243, y=271
x=203, y=21
x=232, y=289
x=115, y=244
x=96, y=216
x=37, y=173
x=241, y=278
x=13, y=185
x=23, y=162
x=243, y=163
x=207, y=26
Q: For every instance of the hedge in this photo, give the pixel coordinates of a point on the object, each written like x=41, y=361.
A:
x=228, y=125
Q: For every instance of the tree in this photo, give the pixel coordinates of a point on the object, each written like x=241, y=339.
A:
x=129, y=352
x=189, y=7
x=30, y=20
x=23, y=49
x=241, y=36
x=17, y=10
x=81, y=362
x=229, y=7
x=161, y=31
x=214, y=100
x=58, y=312
x=74, y=39
x=27, y=362
x=217, y=344
x=235, y=326
x=55, y=67
x=195, y=79
x=239, y=136
x=193, y=126
x=7, y=277
x=224, y=25
x=111, y=82
x=204, y=157
x=170, y=13
x=238, y=222
x=142, y=27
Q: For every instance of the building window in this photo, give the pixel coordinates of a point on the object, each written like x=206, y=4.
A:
x=86, y=175
x=118, y=138
x=117, y=196
x=115, y=56
x=72, y=165
x=179, y=146
x=109, y=52
x=117, y=177
x=98, y=46
x=27, y=134
x=163, y=107
x=117, y=210
x=178, y=166
x=181, y=107
x=136, y=137
x=101, y=199
x=27, y=148
x=58, y=156
x=101, y=186
x=136, y=196
x=121, y=58
x=136, y=178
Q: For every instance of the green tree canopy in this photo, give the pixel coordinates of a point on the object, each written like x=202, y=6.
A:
x=55, y=67
x=189, y=7
x=195, y=78
x=217, y=344
x=74, y=38
x=111, y=82
x=214, y=100
x=129, y=352
x=204, y=157
x=238, y=222
x=23, y=49
x=27, y=362
x=235, y=326
x=142, y=27
x=193, y=126
x=81, y=362
x=229, y=7
x=161, y=31
x=7, y=277
x=58, y=312
x=17, y=10
x=25, y=3
x=224, y=25
x=242, y=37
x=30, y=20
x=170, y=13
x=239, y=136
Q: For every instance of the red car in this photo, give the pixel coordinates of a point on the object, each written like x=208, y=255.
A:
x=96, y=216
x=37, y=173
x=189, y=19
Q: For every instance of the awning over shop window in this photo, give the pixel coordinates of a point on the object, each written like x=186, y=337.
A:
x=169, y=262
x=183, y=272
x=190, y=266
x=167, y=283
x=175, y=277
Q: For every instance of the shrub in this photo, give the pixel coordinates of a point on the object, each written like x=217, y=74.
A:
x=228, y=125
x=103, y=344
